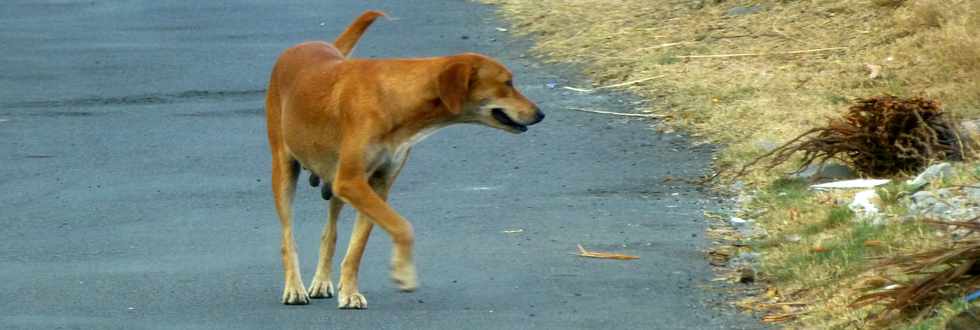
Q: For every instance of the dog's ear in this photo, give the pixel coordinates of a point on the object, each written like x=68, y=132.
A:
x=454, y=86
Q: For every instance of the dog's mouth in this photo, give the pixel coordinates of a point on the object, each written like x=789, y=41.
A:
x=504, y=119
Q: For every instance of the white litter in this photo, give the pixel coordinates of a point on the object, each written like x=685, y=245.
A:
x=501, y=29
x=851, y=184
x=867, y=205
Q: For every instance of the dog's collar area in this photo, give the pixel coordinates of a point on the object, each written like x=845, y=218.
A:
x=503, y=118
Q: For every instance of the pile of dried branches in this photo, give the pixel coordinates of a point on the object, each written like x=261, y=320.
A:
x=934, y=276
x=879, y=136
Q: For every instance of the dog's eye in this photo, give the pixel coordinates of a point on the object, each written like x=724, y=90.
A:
x=509, y=83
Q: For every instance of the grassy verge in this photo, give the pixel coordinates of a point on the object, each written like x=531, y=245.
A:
x=750, y=75
x=818, y=259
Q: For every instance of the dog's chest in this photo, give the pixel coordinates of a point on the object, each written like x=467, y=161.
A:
x=403, y=147
x=395, y=153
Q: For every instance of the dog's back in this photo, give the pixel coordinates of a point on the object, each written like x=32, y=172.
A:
x=307, y=56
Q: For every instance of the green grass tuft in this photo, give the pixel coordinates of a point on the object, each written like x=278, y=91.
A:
x=838, y=216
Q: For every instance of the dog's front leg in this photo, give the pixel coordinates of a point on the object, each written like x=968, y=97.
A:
x=349, y=296
x=381, y=183
x=352, y=186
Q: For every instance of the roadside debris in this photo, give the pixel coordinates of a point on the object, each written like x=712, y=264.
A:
x=582, y=252
x=802, y=51
x=867, y=206
x=633, y=82
x=879, y=136
x=644, y=115
x=850, y=184
x=931, y=276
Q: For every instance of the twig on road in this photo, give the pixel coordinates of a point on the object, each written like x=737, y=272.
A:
x=582, y=252
x=633, y=82
x=643, y=115
x=805, y=51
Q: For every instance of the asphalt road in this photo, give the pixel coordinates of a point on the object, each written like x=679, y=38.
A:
x=134, y=185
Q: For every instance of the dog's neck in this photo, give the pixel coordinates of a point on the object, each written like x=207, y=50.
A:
x=414, y=125
x=415, y=110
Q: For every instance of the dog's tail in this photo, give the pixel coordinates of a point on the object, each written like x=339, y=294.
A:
x=347, y=40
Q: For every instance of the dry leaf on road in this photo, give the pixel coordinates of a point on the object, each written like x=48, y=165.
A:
x=582, y=252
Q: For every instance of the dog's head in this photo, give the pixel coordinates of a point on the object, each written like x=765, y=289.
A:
x=478, y=89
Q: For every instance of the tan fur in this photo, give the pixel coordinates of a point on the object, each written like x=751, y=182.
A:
x=352, y=122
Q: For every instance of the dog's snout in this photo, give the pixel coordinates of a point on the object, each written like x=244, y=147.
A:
x=538, y=116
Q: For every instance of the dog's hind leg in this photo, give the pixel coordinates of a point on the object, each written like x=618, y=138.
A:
x=322, y=287
x=285, y=171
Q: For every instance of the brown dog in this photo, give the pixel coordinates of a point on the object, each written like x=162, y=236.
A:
x=352, y=123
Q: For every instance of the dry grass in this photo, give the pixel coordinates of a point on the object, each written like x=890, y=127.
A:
x=753, y=81
x=920, y=48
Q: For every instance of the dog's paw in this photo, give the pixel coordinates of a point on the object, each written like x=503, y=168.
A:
x=351, y=301
x=295, y=295
x=321, y=289
x=403, y=274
